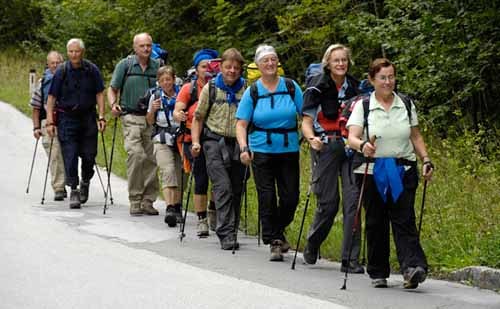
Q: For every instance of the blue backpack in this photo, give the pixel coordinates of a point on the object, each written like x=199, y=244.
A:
x=159, y=53
x=313, y=70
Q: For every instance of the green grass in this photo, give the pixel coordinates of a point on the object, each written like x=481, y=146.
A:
x=462, y=210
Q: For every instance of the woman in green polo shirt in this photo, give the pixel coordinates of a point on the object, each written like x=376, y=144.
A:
x=391, y=139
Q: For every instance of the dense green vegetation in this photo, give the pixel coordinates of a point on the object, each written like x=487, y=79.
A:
x=447, y=54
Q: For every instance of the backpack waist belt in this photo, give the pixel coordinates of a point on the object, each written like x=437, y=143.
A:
x=332, y=135
x=399, y=161
x=224, y=142
x=163, y=131
x=276, y=130
x=126, y=111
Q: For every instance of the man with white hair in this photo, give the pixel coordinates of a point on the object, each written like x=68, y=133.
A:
x=39, y=111
x=132, y=77
x=77, y=87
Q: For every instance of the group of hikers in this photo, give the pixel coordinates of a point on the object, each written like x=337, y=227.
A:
x=215, y=128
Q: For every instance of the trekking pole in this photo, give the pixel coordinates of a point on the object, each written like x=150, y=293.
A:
x=246, y=210
x=422, y=208
x=190, y=185
x=237, y=213
x=32, y=164
x=110, y=168
x=100, y=179
x=258, y=226
x=108, y=186
x=181, y=229
x=302, y=224
x=355, y=224
x=363, y=254
x=47, y=171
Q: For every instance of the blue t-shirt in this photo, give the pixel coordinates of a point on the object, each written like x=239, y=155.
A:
x=282, y=116
x=80, y=86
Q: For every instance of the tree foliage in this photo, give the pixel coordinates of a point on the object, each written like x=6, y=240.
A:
x=447, y=52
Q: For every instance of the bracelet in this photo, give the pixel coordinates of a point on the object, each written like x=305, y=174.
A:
x=245, y=149
x=49, y=124
x=102, y=119
x=36, y=128
x=362, y=145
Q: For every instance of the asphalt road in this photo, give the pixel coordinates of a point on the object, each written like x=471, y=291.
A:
x=54, y=257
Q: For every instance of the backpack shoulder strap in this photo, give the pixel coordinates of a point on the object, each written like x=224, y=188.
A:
x=127, y=72
x=291, y=87
x=212, y=96
x=407, y=101
x=193, y=93
x=366, y=112
x=254, y=94
x=63, y=71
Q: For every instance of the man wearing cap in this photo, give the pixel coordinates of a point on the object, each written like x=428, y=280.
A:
x=132, y=77
x=187, y=101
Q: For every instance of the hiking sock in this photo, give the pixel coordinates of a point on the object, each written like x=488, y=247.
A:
x=201, y=215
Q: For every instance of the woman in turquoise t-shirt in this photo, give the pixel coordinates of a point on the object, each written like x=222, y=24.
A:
x=268, y=113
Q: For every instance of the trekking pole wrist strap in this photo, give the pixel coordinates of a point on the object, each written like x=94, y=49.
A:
x=245, y=149
x=362, y=145
x=429, y=163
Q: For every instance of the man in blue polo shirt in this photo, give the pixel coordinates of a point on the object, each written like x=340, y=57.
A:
x=76, y=88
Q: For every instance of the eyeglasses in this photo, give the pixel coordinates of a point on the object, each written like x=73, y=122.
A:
x=384, y=78
x=339, y=60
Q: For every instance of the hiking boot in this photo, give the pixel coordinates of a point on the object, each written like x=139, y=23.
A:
x=310, y=254
x=149, y=210
x=212, y=219
x=413, y=276
x=202, y=228
x=84, y=191
x=285, y=245
x=227, y=243
x=74, y=199
x=136, y=210
x=379, y=283
x=354, y=267
x=59, y=195
x=171, y=216
x=275, y=247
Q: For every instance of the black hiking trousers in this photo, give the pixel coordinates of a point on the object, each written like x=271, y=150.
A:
x=401, y=217
x=281, y=171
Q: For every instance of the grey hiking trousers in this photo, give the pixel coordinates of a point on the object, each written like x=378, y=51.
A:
x=226, y=175
x=328, y=165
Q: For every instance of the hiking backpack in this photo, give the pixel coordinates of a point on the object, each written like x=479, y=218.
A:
x=159, y=53
x=253, y=73
x=312, y=70
x=212, y=71
x=44, y=92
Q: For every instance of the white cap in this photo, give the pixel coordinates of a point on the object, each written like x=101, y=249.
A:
x=264, y=50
